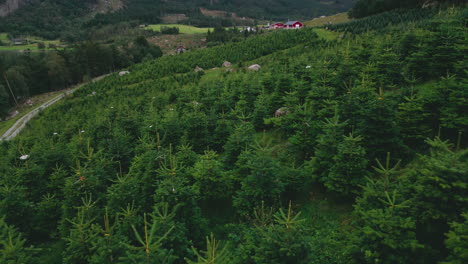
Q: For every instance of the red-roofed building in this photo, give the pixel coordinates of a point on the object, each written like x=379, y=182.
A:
x=277, y=26
x=293, y=24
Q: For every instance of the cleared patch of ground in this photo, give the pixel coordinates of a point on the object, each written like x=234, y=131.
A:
x=173, y=18
x=107, y=6
x=169, y=43
x=220, y=13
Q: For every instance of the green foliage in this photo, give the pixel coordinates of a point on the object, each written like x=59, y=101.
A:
x=13, y=247
x=263, y=179
x=149, y=246
x=349, y=169
x=216, y=253
x=31, y=74
x=364, y=8
x=210, y=178
x=387, y=231
x=218, y=151
x=74, y=19
x=439, y=182
x=277, y=239
x=382, y=21
x=457, y=242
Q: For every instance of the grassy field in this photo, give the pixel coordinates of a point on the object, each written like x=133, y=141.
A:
x=32, y=46
x=327, y=34
x=3, y=37
x=183, y=29
x=335, y=19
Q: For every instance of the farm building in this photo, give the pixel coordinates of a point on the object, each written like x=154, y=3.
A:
x=17, y=41
x=293, y=24
x=288, y=25
x=180, y=49
x=277, y=26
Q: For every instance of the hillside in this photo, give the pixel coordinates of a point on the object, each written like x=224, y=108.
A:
x=299, y=150
x=53, y=18
x=328, y=20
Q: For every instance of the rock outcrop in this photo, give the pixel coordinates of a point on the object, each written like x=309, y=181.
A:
x=10, y=6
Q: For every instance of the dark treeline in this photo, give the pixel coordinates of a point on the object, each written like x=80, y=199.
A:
x=364, y=8
x=32, y=73
x=346, y=151
x=222, y=35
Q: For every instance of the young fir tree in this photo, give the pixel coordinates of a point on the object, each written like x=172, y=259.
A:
x=276, y=239
x=111, y=236
x=457, y=242
x=262, y=179
x=176, y=189
x=148, y=247
x=79, y=248
x=327, y=148
x=13, y=249
x=385, y=231
x=240, y=138
x=349, y=169
x=216, y=253
x=439, y=178
x=211, y=179
x=413, y=123
x=438, y=192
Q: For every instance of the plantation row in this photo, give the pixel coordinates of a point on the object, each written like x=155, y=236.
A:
x=334, y=152
x=405, y=17
x=249, y=49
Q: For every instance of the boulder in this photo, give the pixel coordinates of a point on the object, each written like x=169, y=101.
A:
x=122, y=73
x=227, y=64
x=197, y=69
x=254, y=67
x=281, y=112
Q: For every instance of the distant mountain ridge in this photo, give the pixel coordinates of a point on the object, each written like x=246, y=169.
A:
x=267, y=8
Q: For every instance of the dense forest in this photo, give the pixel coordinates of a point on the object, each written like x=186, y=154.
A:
x=53, y=19
x=350, y=150
x=26, y=74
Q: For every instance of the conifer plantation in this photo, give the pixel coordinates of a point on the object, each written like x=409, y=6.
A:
x=351, y=149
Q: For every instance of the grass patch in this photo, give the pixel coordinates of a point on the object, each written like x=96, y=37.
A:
x=327, y=34
x=335, y=19
x=32, y=46
x=183, y=29
x=3, y=37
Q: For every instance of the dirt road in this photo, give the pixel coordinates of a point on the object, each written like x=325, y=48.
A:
x=16, y=128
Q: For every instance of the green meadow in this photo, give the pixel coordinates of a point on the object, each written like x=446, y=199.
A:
x=183, y=29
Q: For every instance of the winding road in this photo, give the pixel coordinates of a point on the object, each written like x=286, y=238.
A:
x=16, y=128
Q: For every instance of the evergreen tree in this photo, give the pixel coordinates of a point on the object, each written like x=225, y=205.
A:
x=413, y=121
x=216, y=253
x=349, y=170
x=263, y=179
x=457, y=242
x=327, y=148
x=13, y=248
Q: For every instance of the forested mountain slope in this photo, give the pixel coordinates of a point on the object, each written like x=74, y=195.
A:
x=159, y=165
x=53, y=18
